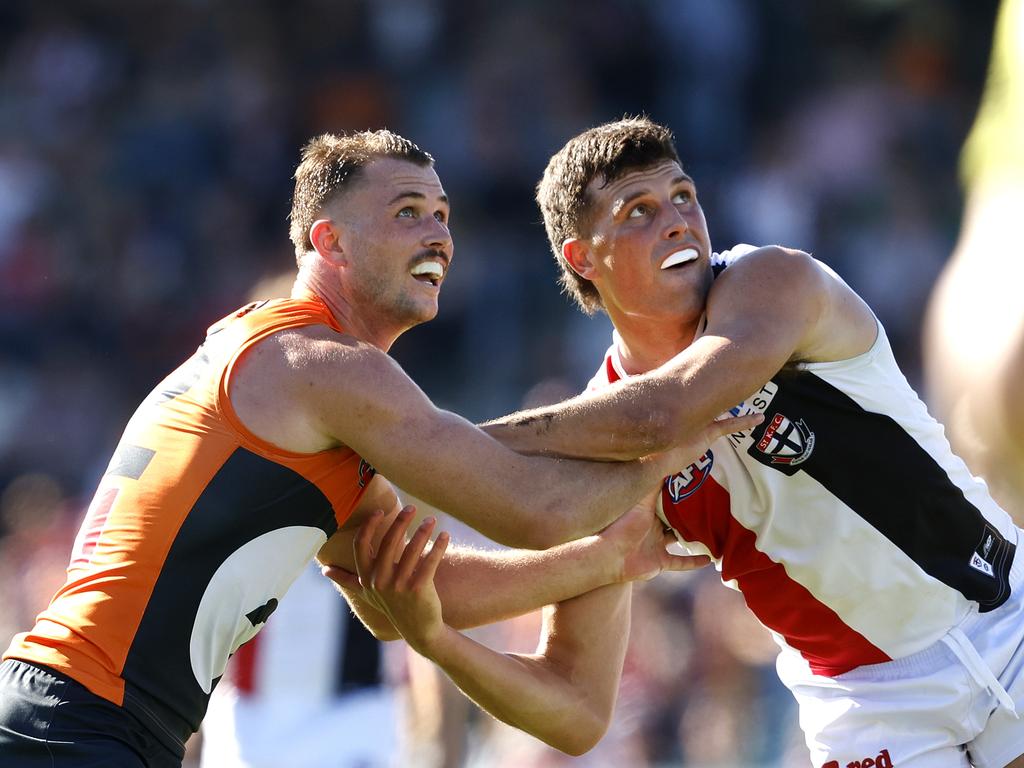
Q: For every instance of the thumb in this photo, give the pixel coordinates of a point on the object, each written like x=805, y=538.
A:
x=341, y=577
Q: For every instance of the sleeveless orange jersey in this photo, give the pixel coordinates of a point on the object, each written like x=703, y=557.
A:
x=197, y=529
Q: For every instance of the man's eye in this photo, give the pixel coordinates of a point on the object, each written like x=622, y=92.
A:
x=638, y=211
x=682, y=197
x=406, y=213
x=441, y=217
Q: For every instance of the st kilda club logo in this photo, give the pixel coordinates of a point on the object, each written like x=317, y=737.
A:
x=786, y=442
x=685, y=483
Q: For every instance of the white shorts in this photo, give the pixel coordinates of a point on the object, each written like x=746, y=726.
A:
x=953, y=704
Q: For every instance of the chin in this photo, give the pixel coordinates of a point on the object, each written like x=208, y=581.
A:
x=420, y=313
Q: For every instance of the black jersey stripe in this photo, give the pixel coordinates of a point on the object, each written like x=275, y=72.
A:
x=882, y=473
x=248, y=497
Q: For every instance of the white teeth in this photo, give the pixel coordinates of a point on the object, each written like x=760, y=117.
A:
x=679, y=257
x=431, y=268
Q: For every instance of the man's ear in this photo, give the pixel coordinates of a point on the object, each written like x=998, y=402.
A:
x=576, y=253
x=325, y=237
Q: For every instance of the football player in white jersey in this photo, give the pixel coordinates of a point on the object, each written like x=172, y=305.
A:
x=883, y=569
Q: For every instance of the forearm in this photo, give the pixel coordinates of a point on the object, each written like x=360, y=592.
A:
x=564, y=694
x=746, y=341
x=597, y=427
x=481, y=587
x=524, y=691
x=647, y=413
x=587, y=499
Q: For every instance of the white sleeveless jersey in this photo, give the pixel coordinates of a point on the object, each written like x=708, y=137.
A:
x=853, y=532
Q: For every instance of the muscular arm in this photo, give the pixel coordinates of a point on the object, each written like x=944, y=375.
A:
x=481, y=587
x=563, y=694
x=359, y=397
x=769, y=308
x=353, y=394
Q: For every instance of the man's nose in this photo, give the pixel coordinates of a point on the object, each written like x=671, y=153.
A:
x=675, y=224
x=439, y=238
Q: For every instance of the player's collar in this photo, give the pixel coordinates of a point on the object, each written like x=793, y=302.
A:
x=615, y=356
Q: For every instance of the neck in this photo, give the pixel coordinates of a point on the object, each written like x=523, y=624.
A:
x=358, y=324
x=647, y=343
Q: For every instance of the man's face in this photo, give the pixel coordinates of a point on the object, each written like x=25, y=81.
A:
x=649, y=244
x=394, y=233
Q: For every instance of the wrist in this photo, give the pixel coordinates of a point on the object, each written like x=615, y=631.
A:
x=606, y=558
x=437, y=646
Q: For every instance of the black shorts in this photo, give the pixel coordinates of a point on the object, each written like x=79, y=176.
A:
x=48, y=720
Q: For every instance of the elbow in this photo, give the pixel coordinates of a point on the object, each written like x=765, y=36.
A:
x=537, y=539
x=549, y=534
x=560, y=523
x=384, y=632
x=582, y=733
x=542, y=524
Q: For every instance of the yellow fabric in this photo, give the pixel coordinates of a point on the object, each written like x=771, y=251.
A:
x=994, y=151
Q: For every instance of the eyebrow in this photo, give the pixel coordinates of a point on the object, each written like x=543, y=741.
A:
x=680, y=179
x=415, y=196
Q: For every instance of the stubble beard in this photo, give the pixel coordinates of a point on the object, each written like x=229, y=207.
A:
x=392, y=302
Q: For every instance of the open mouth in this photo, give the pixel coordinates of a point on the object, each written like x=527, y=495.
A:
x=679, y=258
x=428, y=272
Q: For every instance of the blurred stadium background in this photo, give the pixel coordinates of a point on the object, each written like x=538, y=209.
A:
x=146, y=151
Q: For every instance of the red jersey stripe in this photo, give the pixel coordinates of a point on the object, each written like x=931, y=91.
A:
x=780, y=603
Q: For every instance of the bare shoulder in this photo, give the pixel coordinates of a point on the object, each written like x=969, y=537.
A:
x=775, y=264
x=780, y=282
x=282, y=385
x=789, y=287
x=317, y=357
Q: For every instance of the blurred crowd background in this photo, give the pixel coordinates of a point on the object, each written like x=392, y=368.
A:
x=146, y=152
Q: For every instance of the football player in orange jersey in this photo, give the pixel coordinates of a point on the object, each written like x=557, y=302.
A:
x=262, y=451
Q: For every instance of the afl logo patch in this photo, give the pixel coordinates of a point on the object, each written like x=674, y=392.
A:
x=685, y=483
x=786, y=442
x=366, y=472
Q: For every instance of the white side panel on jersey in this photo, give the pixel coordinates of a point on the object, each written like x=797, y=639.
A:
x=242, y=584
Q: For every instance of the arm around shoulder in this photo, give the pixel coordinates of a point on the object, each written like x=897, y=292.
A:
x=357, y=396
x=762, y=312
